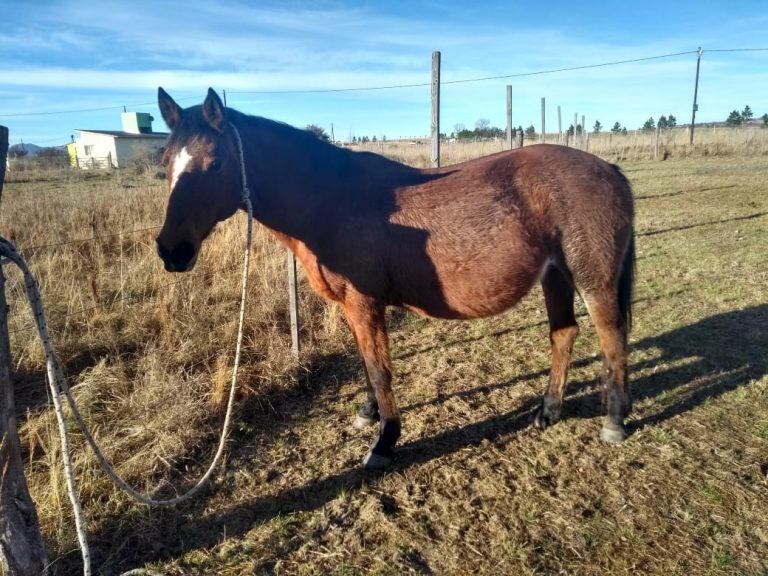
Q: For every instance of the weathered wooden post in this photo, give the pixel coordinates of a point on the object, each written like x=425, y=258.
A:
x=559, y=126
x=293, y=303
x=436, y=109
x=583, y=131
x=21, y=546
x=543, y=121
x=510, y=129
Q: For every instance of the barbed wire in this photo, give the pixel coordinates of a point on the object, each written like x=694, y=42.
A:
x=136, y=299
x=90, y=239
x=402, y=85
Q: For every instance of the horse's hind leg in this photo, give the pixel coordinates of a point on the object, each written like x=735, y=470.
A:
x=367, y=319
x=563, y=329
x=611, y=329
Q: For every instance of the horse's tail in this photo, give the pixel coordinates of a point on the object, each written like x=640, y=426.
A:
x=626, y=283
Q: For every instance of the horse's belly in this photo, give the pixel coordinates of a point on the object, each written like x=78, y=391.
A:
x=473, y=291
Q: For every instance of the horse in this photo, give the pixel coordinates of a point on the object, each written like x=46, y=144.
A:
x=458, y=242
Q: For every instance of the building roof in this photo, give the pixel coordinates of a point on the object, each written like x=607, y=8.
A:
x=122, y=134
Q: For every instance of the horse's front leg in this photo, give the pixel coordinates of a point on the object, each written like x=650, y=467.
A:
x=367, y=319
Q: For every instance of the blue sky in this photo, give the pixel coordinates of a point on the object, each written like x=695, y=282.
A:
x=74, y=55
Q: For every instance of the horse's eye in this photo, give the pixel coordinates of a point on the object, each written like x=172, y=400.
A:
x=216, y=165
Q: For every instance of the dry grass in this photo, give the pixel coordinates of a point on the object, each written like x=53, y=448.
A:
x=636, y=145
x=474, y=488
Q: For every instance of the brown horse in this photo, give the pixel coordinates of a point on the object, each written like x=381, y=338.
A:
x=465, y=241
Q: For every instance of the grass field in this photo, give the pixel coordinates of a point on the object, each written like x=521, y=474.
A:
x=475, y=489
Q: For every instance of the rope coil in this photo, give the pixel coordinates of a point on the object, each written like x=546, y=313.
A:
x=58, y=384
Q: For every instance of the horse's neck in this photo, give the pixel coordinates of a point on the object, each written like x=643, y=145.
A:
x=299, y=184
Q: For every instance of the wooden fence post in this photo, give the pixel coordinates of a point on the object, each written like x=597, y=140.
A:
x=293, y=303
x=656, y=148
x=510, y=144
x=3, y=156
x=543, y=121
x=436, y=109
x=559, y=126
x=583, y=131
x=21, y=547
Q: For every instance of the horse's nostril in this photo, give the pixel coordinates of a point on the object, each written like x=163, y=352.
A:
x=183, y=253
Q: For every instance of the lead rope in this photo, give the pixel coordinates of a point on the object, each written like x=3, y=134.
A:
x=59, y=384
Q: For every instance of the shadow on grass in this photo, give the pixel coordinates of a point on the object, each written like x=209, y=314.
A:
x=722, y=352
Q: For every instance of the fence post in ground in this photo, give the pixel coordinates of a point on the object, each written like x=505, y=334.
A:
x=583, y=131
x=559, y=126
x=293, y=303
x=575, y=124
x=21, y=546
x=543, y=121
x=436, y=109
x=695, y=94
x=509, y=117
x=656, y=146
x=3, y=156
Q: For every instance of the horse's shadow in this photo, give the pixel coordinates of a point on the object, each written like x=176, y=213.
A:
x=722, y=352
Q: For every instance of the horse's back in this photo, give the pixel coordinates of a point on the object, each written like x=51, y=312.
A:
x=486, y=228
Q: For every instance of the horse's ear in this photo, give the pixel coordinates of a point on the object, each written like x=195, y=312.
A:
x=168, y=108
x=213, y=111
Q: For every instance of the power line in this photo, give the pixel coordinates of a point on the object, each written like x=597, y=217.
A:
x=80, y=110
x=466, y=80
x=407, y=85
x=737, y=50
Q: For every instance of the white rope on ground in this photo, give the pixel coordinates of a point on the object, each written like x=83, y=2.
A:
x=58, y=383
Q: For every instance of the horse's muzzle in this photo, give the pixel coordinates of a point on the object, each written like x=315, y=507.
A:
x=180, y=259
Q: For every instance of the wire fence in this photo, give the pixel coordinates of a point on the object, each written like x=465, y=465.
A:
x=92, y=163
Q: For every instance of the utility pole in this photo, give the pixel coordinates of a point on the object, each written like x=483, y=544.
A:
x=695, y=93
x=559, y=127
x=543, y=121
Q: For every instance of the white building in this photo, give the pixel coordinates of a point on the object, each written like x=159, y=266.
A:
x=116, y=148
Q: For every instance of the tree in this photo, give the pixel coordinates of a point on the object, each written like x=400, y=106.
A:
x=482, y=124
x=318, y=131
x=374, y=138
x=671, y=121
x=624, y=131
x=530, y=131
x=734, y=119
x=663, y=123
x=765, y=119
x=616, y=128
x=570, y=130
x=746, y=114
x=597, y=127
x=459, y=127
x=354, y=139
x=649, y=125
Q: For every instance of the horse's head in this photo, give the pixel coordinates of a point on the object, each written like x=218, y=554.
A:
x=203, y=171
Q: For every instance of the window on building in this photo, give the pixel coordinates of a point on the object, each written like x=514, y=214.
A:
x=88, y=149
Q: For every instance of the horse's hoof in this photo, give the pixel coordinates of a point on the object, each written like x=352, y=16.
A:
x=546, y=416
x=613, y=433
x=373, y=461
x=362, y=422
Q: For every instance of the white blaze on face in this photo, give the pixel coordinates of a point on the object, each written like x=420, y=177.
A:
x=180, y=164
